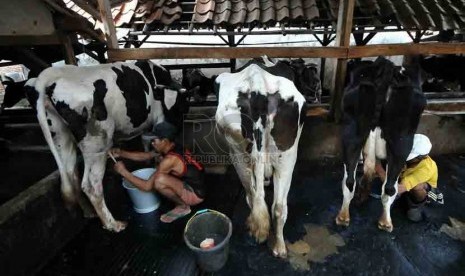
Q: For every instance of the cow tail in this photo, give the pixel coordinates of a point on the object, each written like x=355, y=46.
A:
x=66, y=185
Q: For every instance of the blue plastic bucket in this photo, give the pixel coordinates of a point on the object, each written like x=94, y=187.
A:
x=143, y=202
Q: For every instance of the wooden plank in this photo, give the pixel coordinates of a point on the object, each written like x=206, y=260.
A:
x=12, y=40
x=216, y=52
x=406, y=49
x=108, y=23
x=291, y=52
x=450, y=106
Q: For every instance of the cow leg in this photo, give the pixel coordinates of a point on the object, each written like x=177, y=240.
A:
x=282, y=178
x=259, y=218
x=66, y=149
x=92, y=185
x=351, y=155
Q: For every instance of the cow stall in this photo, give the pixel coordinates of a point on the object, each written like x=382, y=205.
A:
x=148, y=247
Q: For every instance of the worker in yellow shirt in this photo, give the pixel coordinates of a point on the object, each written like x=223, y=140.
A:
x=419, y=178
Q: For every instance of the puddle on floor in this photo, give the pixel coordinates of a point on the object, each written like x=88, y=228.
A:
x=317, y=244
x=456, y=230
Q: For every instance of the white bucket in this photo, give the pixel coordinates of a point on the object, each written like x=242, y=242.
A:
x=143, y=202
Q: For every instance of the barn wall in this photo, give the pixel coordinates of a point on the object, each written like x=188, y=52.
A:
x=34, y=226
x=320, y=139
x=25, y=17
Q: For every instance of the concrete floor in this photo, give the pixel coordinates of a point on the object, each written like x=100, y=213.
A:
x=149, y=247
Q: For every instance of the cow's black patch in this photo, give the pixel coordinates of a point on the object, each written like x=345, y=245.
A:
x=49, y=122
x=76, y=122
x=162, y=75
x=99, y=110
x=286, y=123
x=32, y=95
x=134, y=88
x=243, y=103
x=53, y=134
x=147, y=71
x=50, y=89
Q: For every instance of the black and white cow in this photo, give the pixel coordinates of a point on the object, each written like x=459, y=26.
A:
x=382, y=107
x=307, y=80
x=261, y=115
x=89, y=106
x=198, y=84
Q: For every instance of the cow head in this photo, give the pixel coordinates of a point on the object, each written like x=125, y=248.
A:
x=14, y=92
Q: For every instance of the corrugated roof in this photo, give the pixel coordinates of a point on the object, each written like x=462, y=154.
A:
x=420, y=14
x=411, y=14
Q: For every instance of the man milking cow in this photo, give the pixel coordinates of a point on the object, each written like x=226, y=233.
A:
x=418, y=179
x=178, y=177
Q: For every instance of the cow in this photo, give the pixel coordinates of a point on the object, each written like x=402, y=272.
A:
x=13, y=92
x=261, y=114
x=445, y=73
x=382, y=106
x=196, y=82
x=307, y=80
x=88, y=107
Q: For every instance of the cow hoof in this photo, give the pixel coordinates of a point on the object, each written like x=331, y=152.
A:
x=260, y=232
x=385, y=226
x=117, y=226
x=343, y=219
x=279, y=250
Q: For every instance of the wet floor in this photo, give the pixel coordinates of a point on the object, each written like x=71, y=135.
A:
x=149, y=247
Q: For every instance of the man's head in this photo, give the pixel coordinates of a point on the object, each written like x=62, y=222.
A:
x=164, y=135
x=420, y=149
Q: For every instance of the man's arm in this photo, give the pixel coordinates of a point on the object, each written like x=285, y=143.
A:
x=133, y=155
x=145, y=185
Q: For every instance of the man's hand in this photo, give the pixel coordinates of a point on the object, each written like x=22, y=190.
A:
x=120, y=168
x=116, y=152
x=401, y=189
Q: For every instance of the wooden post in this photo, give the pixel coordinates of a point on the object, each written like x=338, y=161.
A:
x=231, y=43
x=343, y=31
x=109, y=25
x=70, y=57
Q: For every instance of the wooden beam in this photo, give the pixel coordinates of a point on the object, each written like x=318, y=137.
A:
x=406, y=49
x=217, y=52
x=289, y=52
x=450, y=106
x=343, y=31
x=88, y=8
x=108, y=23
x=12, y=40
x=70, y=56
x=59, y=8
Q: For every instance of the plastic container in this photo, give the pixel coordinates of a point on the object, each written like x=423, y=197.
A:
x=143, y=202
x=209, y=224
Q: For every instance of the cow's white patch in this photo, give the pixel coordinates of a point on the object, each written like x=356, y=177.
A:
x=170, y=98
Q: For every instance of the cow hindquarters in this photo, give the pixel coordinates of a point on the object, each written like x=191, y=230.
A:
x=94, y=169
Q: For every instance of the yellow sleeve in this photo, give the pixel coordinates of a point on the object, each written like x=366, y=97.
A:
x=425, y=172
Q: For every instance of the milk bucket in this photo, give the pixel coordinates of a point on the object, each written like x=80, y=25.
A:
x=143, y=202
